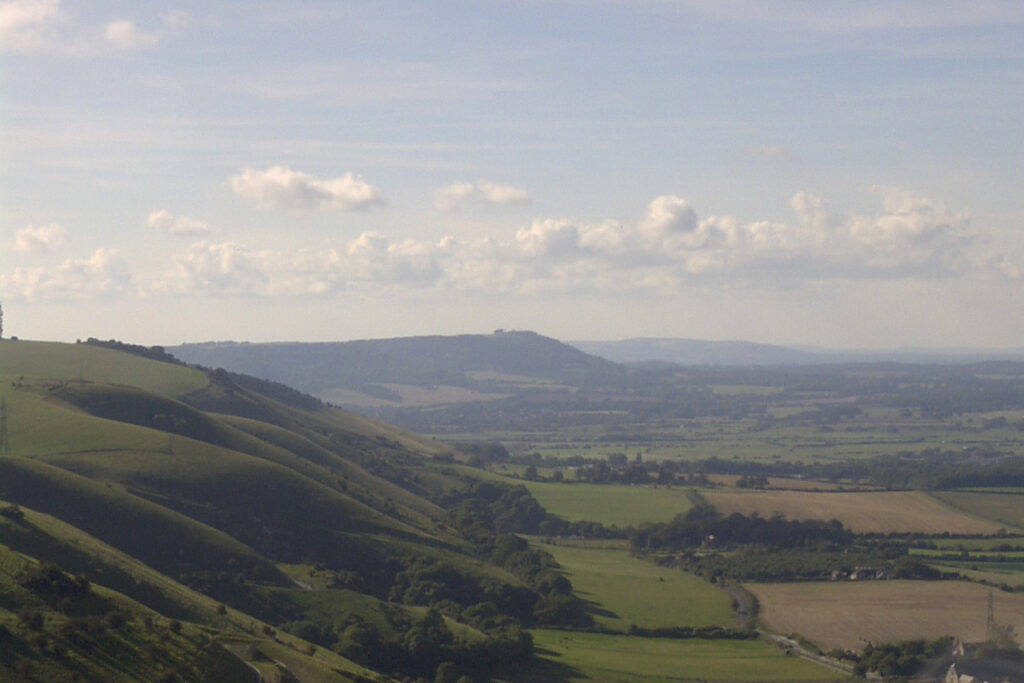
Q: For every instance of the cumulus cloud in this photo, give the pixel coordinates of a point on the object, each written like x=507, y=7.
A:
x=41, y=240
x=553, y=238
x=25, y=24
x=458, y=194
x=912, y=234
x=279, y=187
x=104, y=274
x=225, y=268
x=178, y=225
x=668, y=246
x=368, y=261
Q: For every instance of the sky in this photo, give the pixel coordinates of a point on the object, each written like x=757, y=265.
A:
x=839, y=174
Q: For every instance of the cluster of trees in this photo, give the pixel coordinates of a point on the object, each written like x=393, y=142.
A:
x=51, y=582
x=489, y=515
x=901, y=659
x=423, y=648
x=702, y=526
x=704, y=632
x=151, y=352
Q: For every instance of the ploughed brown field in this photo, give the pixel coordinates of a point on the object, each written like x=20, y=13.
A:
x=848, y=614
x=862, y=512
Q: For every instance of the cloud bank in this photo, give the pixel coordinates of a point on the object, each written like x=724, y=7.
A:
x=103, y=274
x=41, y=240
x=667, y=249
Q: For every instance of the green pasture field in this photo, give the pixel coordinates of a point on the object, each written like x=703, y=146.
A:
x=974, y=544
x=31, y=359
x=37, y=425
x=569, y=656
x=625, y=590
x=1005, y=508
x=998, y=577
x=610, y=504
x=876, y=433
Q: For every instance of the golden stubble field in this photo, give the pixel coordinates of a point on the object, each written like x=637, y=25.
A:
x=862, y=512
x=848, y=614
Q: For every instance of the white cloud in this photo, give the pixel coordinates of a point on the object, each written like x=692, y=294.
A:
x=33, y=240
x=225, y=268
x=497, y=193
x=24, y=24
x=103, y=274
x=369, y=260
x=812, y=210
x=549, y=238
x=913, y=235
x=126, y=35
x=454, y=195
x=279, y=187
x=179, y=225
x=458, y=194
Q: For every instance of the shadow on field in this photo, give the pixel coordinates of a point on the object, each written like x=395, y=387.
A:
x=596, y=609
x=543, y=668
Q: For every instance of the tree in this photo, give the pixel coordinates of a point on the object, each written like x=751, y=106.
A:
x=1, y=321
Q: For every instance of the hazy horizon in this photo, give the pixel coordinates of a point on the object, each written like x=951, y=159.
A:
x=825, y=174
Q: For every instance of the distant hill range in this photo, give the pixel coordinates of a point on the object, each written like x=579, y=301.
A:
x=742, y=353
x=375, y=374
x=380, y=368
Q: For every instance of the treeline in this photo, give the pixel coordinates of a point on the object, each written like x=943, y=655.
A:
x=928, y=469
x=701, y=526
x=703, y=632
x=150, y=352
x=489, y=515
x=418, y=648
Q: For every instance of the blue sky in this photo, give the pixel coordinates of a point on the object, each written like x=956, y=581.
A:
x=830, y=173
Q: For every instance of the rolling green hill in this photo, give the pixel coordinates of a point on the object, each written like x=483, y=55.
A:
x=239, y=526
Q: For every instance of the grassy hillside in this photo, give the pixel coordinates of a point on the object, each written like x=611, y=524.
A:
x=92, y=363
x=286, y=536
